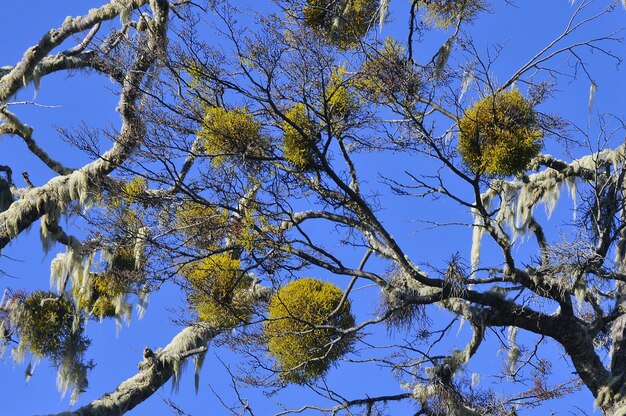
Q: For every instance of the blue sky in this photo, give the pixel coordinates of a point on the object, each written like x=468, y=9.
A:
x=82, y=97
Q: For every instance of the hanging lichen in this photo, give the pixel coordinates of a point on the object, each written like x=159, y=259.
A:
x=500, y=135
x=220, y=290
x=303, y=333
x=342, y=22
x=298, y=142
x=230, y=133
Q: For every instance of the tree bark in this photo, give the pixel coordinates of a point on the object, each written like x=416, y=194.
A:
x=154, y=372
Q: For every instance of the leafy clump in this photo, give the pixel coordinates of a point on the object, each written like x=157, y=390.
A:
x=303, y=350
x=341, y=22
x=106, y=289
x=203, y=226
x=339, y=99
x=500, y=135
x=298, y=142
x=387, y=76
x=123, y=259
x=445, y=13
x=220, y=290
x=134, y=189
x=46, y=325
x=230, y=133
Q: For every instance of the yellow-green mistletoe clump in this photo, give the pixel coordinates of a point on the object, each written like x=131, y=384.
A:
x=133, y=189
x=387, y=76
x=445, y=13
x=230, y=133
x=47, y=323
x=342, y=22
x=202, y=225
x=220, y=290
x=303, y=350
x=106, y=290
x=500, y=134
x=108, y=287
x=339, y=99
x=297, y=145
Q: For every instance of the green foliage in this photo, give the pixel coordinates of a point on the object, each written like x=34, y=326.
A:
x=303, y=351
x=230, y=133
x=387, y=76
x=499, y=135
x=297, y=146
x=46, y=326
x=202, y=225
x=341, y=22
x=219, y=290
x=445, y=13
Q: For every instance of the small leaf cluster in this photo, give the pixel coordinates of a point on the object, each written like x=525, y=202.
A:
x=341, y=22
x=219, y=290
x=301, y=332
x=46, y=326
x=107, y=287
x=388, y=76
x=500, y=134
x=445, y=13
x=339, y=99
x=202, y=225
x=298, y=142
x=230, y=133
x=134, y=189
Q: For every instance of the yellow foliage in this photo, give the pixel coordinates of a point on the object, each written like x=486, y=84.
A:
x=338, y=98
x=230, y=133
x=445, y=13
x=123, y=259
x=203, y=225
x=219, y=290
x=303, y=351
x=499, y=135
x=341, y=22
x=47, y=323
x=106, y=287
x=297, y=146
x=134, y=188
x=388, y=76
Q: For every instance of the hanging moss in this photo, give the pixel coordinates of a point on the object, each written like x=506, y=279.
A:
x=297, y=146
x=446, y=13
x=230, y=133
x=341, y=22
x=500, y=135
x=304, y=352
x=219, y=291
x=46, y=326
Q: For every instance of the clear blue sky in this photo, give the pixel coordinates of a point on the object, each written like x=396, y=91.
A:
x=84, y=97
